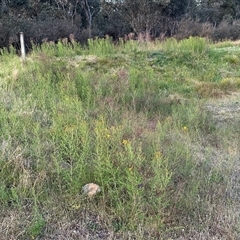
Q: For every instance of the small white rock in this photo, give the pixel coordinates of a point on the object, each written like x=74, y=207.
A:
x=91, y=189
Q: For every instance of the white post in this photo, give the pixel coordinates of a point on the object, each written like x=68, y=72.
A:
x=23, y=52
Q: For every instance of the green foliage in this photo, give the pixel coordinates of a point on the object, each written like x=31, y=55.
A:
x=194, y=44
x=36, y=227
x=7, y=53
x=62, y=49
x=83, y=88
x=100, y=47
x=131, y=122
x=190, y=45
x=16, y=3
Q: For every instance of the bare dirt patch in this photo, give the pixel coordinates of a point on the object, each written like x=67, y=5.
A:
x=225, y=110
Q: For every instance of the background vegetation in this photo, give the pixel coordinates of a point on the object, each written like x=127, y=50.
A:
x=51, y=20
x=131, y=117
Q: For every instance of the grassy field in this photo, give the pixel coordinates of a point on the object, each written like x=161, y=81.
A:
x=130, y=117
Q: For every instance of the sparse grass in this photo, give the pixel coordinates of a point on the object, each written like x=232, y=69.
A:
x=128, y=117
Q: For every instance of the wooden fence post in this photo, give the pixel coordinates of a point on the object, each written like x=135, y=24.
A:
x=23, y=52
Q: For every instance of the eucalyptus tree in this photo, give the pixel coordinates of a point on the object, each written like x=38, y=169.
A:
x=91, y=8
x=215, y=11
x=142, y=15
x=184, y=8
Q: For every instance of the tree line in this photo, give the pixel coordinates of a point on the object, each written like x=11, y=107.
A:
x=51, y=20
